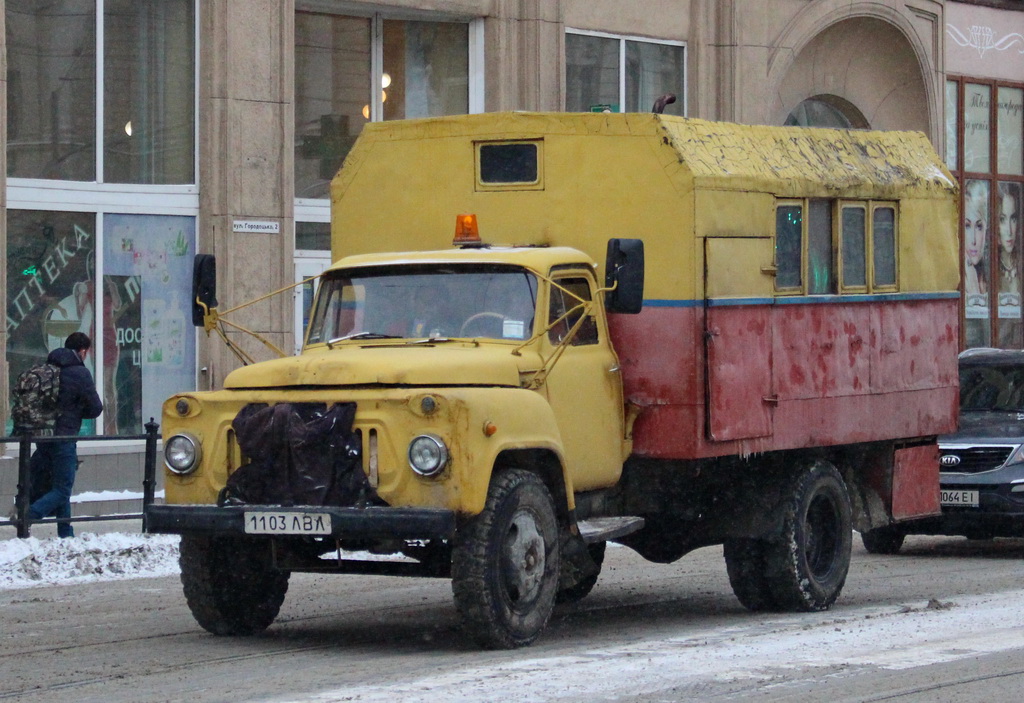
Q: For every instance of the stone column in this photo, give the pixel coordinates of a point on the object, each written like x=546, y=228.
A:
x=525, y=55
x=246, y=129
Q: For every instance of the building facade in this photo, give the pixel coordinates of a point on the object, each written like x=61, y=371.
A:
x=137, y=133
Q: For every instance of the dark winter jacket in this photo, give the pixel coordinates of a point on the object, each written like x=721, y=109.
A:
x=77, y=399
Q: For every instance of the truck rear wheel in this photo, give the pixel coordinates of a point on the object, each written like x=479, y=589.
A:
x=505, y=563
x=745, y=560
x=806, y=569
x=883, y=540
x=230, y=584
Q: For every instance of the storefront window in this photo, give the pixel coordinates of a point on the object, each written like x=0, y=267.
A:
x=591, y=73
x=1008, y=207
x=976, y=262
x=1010, y=122
x=425, y=73
x=952, y=124
x=149, y=95
x=606, y=73
x=977, y=136
x=988, y=119
x=332, y=88
x=148, y=84
x=148, y=345
x=426, y=69
x=51, y=89
x=51, y=277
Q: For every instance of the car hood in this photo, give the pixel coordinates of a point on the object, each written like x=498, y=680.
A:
x=405, y=365
x=987, y=427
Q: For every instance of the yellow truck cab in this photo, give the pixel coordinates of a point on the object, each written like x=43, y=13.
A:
x=545, y=332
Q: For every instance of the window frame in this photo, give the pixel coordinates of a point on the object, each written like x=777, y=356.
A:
x=487, y=186
x=875, y=286
x=622, y=39
x=837, y=205
x=802, y=287
x=319, y=209
x=996, y=329
x=100, y=198
x=844, y=287
x=557, y=276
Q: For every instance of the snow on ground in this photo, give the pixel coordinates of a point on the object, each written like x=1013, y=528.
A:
x=90, y=557
x=771, y=651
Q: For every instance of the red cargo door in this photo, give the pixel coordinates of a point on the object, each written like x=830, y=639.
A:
x=738, y=334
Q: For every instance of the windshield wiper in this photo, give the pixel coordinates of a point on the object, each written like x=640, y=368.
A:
x=359, y=335
x=431, y=340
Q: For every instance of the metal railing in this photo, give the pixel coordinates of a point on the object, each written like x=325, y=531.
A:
x=22, y=498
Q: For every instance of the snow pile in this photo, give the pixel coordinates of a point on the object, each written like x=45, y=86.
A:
x=91, y=557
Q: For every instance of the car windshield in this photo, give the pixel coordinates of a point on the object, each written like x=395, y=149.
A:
x=999, y=388
x=425, y=302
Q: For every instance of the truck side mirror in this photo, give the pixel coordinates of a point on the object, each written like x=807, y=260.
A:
x=625, y=267
x=204, y=286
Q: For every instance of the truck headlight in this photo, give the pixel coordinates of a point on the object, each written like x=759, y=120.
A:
x=182, y=453
x=428, y=455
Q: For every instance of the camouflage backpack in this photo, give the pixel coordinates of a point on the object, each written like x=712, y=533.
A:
x=35, y=398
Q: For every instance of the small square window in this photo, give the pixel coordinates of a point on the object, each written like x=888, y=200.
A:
x=509, y=166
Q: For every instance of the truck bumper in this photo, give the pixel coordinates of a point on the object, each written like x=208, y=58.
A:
x=371, y=522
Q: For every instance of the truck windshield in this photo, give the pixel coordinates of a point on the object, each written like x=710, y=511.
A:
x=417, y=302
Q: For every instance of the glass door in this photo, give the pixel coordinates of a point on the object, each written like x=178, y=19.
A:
x=307, y=268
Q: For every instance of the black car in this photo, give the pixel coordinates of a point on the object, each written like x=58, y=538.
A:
x=982, y=464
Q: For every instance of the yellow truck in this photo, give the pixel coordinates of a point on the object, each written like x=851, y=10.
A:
x=547, y=332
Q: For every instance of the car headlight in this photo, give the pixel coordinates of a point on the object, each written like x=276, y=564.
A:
x=182, y=453
x=428, y=455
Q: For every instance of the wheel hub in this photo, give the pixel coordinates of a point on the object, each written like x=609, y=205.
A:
x=524, y=559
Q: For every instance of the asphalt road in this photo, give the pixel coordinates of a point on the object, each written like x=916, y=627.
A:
x=939, y=622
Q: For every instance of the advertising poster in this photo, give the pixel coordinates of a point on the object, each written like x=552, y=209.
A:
x=149, y=350
x=50, y=286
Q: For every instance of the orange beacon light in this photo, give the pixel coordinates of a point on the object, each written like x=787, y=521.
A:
x=467, y=234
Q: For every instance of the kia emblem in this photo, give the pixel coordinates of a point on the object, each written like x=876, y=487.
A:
x=950, y=460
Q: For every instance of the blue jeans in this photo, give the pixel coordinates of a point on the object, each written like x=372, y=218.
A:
x=62, y=460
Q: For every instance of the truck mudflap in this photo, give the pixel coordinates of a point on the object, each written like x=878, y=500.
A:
x=315, y=521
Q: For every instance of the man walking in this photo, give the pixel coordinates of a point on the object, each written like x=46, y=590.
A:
x=77, y=399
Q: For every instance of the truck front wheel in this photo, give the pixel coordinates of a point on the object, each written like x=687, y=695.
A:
x=806, y=568
x=505, y=563
x=230, y=584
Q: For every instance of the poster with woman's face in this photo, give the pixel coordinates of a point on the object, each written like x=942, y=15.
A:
x=1008, y=208
x=976, y=219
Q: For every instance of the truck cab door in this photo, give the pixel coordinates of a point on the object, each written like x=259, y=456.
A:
x=585, y=385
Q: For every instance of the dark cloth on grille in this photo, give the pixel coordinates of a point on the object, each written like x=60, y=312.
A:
x=300, y=454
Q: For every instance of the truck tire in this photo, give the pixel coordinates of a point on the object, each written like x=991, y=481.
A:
x=807, y=567
x=883, y=540
x=230, y=584
x=748, y=576
x=582, y=589
x=505, y=563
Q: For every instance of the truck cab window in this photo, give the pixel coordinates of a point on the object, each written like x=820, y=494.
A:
x=565, y=310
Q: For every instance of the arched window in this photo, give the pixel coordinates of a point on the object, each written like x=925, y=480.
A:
x=827, y=111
